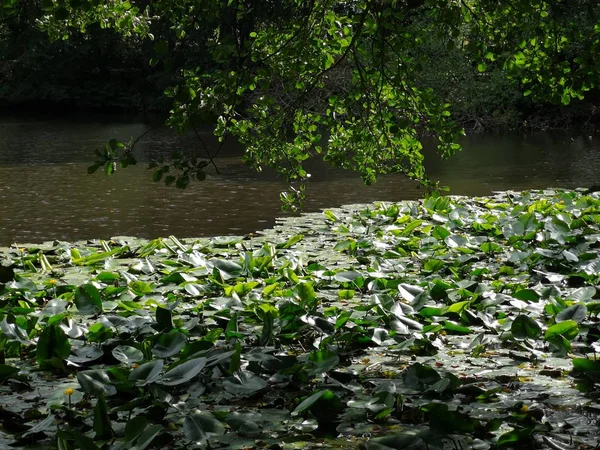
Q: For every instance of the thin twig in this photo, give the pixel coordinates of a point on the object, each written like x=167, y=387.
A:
x=210, y=157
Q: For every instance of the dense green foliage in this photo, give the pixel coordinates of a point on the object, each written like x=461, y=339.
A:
x=445, y=323
x=357, y=82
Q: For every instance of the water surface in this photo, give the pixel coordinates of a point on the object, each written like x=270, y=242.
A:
x=46, y=193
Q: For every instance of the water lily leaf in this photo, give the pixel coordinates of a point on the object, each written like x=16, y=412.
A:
x=45, y=425
x=419, y=375
x=527, y=294
x=584, y=365
x=108, y=277
x=306, y=292
x=148, y=436
x=402, y=441
x=230, y=268
x=409, y=292
x=443, y=420
x=182, y=373
x=323, y=361
x=244, y=384
x=81, y=440
x=195, y=289
x=87, y=300
x=13, y=332
x=53, y=342
x=567, y=329
x=82, y=355
x=243, y=423
x=242, y=289
x=147, y=373
x=525, y=327
x=380, y=335
x=199, y=427
x=440, y=233
x=55, y=307
x=410, y=323
x=515, y=437
x=433, y=265
x=399, y=327
x=346, y=294
x=169, y=344
x=454, y=241
x=456, y=328
x=307, y=403
x=135, y=427
x=140, y=287
x=23, y=284
x=347, y=276
x=411, y=226
x=127, y=354
x=291, y=241
x=102, y=424
x=7, y=371
x=96, y=382
x=576, y=313
x=583, y=294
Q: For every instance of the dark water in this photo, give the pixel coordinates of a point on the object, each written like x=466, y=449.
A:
x=45, y=192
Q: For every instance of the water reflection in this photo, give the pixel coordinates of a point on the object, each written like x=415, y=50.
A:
x=47, y=194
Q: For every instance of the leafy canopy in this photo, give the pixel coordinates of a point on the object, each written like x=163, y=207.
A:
x=292, y=79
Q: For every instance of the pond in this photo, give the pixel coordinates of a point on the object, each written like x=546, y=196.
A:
x=47, y=194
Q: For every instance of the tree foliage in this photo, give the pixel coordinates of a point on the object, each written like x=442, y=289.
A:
x=292, y=79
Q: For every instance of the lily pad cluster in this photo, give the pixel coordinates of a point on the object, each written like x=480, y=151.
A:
x=452, y=322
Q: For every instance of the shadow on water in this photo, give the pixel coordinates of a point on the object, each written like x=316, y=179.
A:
x=47, y=194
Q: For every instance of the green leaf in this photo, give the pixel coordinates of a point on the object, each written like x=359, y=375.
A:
x=576, y=313
x=148, y=436
x=140, y=288
x=96, y=382
x=102, y=424
x=525, y=327
x=7, y=371
x=135, y=427
x=291, y=241
x=199, y=427
x=397, y=442
x=346, y=276
x=182, y=373
x=244, y=384
x=127, y=354
x=53, y=343
x=169, y=344
x=81, y=440
x=87, y=300
x=584, y=365
x=518, y=436
x=527, y=294
x=322, y=361
x=419, y=376
x=567, y=329
x=433, y=265
x=147, y=373
x=306, y=292
x=309, y=402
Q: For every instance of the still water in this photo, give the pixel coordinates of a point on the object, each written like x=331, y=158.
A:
x=46, y=193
